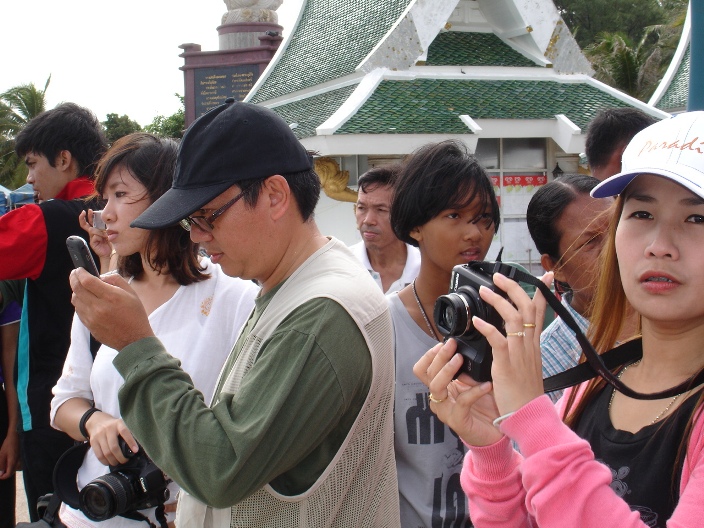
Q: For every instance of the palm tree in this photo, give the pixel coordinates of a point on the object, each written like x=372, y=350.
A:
x=637, y=69
x=616, y=62
x=18, y=106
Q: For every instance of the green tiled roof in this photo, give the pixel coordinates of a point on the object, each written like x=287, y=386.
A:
x=332, y=38
x=456, y=48
x=312, y=112
x=431, y=106
x=677, y=94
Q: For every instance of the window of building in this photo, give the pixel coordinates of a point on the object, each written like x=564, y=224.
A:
x=517, y=166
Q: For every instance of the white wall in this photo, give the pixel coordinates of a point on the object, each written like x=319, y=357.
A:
x=336, y=219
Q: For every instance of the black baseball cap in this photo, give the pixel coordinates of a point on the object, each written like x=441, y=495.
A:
x=231, y=143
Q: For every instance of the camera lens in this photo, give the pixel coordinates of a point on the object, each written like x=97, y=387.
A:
x=106, y=497
x=451, y=314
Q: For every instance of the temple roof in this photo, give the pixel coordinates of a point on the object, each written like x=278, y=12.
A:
x=329, y=42
x=369, y=76
x=462, y=48
x=433, y=106
x=673, y=92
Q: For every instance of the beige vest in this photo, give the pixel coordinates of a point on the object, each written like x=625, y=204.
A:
x=359, y=487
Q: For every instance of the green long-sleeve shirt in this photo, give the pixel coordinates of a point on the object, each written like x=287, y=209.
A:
x=292, y=412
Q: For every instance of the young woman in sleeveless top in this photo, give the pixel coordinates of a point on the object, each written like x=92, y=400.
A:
x=444, y=204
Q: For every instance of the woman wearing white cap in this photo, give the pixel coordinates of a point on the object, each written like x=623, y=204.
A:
x=600, y=458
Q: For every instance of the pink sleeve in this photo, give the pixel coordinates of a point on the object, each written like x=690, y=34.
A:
x=564, y=485
x=690, y=509
x=558, y=483
x=492, y=481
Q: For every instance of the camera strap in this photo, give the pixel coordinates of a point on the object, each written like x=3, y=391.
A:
x=65, y=471
x=596, y=364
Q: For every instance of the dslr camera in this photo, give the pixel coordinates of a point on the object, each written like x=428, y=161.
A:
x=453, y=314
x=135, y=485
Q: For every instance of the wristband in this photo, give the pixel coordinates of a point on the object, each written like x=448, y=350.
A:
x=84, y=419
x=500, y=419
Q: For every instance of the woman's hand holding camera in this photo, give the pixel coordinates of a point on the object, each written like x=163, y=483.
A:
x=104, y=431
x=517, y=368
x=470, y=408
x=464, y=404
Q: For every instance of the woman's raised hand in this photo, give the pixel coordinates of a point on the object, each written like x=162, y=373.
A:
x=98, y=237
x=517, y=367
x=98, y=240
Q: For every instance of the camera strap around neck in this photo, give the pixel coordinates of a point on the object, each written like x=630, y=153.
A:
x=596, y=364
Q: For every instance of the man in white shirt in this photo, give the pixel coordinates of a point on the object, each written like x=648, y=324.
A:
x=393, y=264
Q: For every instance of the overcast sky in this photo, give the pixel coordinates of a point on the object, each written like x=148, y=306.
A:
x=111, y=56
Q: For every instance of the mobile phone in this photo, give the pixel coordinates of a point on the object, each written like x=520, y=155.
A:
x=80, y=254
x=98, y=220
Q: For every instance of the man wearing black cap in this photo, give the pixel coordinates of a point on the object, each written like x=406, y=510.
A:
x=300, y=430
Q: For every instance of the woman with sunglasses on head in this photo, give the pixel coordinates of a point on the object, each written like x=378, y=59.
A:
x=193, y=307
x=600, y=458
x=444, y=204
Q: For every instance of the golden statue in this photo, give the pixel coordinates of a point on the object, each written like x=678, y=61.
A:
x=334, y=181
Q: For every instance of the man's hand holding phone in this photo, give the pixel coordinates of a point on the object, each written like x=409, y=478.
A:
x=107, y=305
x=109, y=308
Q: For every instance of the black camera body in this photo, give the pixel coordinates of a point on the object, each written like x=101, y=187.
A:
x=135, y=485
x=453, y=314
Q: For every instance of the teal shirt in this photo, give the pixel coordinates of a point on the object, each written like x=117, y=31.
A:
x=294, y=408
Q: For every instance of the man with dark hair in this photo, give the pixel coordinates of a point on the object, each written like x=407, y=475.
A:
x=393, y=264
x=607, y=136
x=61, y=148
x=300, y=431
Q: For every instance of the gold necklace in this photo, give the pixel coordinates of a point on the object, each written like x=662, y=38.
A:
x=422, y=311
x=664, y=411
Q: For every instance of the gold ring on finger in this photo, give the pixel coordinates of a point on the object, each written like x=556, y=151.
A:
x=515, y=334
x=434, y=399
x=528, y=325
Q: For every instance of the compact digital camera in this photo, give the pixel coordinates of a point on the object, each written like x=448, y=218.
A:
x=98, y=221
x=453, y=314
x=135, y=485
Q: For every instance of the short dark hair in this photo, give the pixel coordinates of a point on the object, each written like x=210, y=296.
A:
x=547, y=205
x=305, y=188
x=151, y=160
x=436, y=177
x=66, y=127
x=612, y=129
x=383, y=176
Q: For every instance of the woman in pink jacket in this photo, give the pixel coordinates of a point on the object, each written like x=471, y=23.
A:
x=600, y=458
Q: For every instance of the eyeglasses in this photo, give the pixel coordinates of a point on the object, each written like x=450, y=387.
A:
x=206, y=222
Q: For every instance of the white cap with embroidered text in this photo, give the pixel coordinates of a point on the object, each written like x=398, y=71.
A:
x=672, y=148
